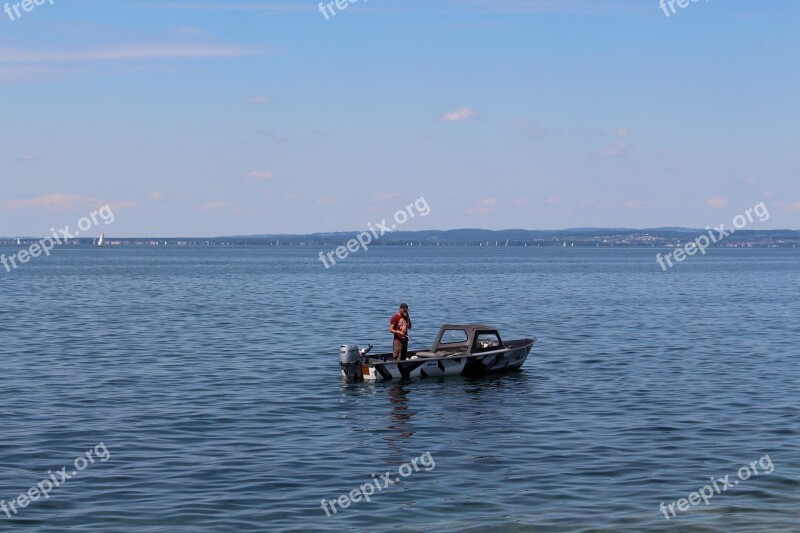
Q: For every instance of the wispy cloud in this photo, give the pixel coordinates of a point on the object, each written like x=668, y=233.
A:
x=459, y=115
x=155, y=196
x=637, y=204
x=717, y=202
x=29, y=158
x=484, y=207
x=528, y=129
x=277, y=136
x=123, y=53
x=615, y=150
x=53, y=201
x=547, y=6
x=259, y=175
x=220, y=205
x=273, y=8
x=381, y=197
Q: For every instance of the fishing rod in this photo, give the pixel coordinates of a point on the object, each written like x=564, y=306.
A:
x=416, y=341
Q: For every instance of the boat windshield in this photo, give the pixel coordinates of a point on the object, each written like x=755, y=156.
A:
x=487, y=341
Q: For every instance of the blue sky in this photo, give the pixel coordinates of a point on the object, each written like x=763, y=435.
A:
x=208, y=118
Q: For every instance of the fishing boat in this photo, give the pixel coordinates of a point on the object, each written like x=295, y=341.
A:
x=470, y=350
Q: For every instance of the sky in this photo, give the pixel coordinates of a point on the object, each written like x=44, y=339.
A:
x=210, y=118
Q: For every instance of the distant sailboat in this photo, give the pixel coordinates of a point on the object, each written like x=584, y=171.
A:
x=506, y=243
x=102, y=242
x=19, y=242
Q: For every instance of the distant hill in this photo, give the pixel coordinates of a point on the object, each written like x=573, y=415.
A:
x=650, y=237
x=575, y=236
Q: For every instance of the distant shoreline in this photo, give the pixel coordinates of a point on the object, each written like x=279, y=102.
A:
x=589, y=237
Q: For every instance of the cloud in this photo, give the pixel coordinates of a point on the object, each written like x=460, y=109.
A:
x=717, y=202
x=155, y=196
x=621, y=132
x=553, y=200
x=528, y=130
x=220, y=205
x=271, y=8
x=484, y=207
x=324, y=200
x=521, y=202
x=124, y=53
x=276, y=136
x=256, y=175
x=53, y=201
x=616, y=150
x=637, y=204
x=259, y=99
x=546, y=6
x=459, y=115
x=750, y=181
x=125, y=204
x=380, y=197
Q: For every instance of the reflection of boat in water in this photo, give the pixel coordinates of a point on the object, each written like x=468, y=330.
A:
x=401, y=414
x=467, y=350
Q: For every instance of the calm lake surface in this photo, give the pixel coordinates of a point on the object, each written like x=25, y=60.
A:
x=211, y=376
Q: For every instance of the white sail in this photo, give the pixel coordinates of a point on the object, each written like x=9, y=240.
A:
x=102, y=241
x=19, y=241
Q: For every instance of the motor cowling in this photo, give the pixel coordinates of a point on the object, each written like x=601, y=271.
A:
x=350, y=361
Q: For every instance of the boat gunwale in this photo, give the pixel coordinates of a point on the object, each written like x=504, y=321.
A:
x=526, y=343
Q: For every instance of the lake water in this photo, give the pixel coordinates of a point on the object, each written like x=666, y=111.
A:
x=210, y=375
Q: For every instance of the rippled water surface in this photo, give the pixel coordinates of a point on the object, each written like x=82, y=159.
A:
x=211, y=376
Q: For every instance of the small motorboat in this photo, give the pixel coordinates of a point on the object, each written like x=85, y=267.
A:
x=470, y=350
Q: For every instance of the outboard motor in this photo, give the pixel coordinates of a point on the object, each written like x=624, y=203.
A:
x=350, y=358
x=350, y=361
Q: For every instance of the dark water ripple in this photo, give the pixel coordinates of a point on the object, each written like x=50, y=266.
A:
x=211, y=376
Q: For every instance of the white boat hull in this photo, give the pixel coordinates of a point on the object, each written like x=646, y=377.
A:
x=424, y=364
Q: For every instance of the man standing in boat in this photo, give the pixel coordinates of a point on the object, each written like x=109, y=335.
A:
x=399, y=326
